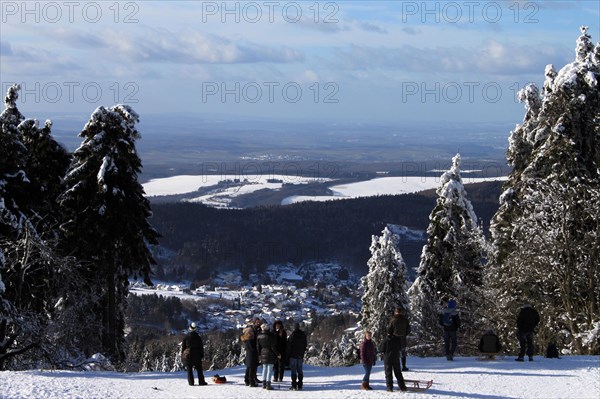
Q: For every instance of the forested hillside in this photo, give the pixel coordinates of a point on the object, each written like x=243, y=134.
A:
x=207, y=239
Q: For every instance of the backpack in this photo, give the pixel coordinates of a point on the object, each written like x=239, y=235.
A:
x=185, y=356
x=447, y=319
x=552, y=351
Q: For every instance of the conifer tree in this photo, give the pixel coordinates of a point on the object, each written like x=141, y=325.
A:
x=19, y=329
x=385, y=285
x=105, y=218
x=546, y=231
x=45, y=163
x=13, y=179
x=451, y=264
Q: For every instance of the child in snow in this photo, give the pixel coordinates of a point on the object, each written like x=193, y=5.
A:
x=367, y=355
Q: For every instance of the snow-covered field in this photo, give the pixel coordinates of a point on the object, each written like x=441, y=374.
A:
x=568, y=377
x=221, y=196
x=184, y=184
x=382, y=186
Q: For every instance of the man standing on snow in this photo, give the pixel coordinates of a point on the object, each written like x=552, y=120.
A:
x=192, y=344
x=390, y=350
x=400, y=326
x=527, y=321
x=248, y=339
x=450, y=320
x=297, y=344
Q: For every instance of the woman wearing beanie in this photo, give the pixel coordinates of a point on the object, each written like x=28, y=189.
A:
x=267, y=349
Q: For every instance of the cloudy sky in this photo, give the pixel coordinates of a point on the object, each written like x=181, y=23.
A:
x=363, y=61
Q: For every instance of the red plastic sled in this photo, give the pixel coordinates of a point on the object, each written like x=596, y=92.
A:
x=418, y=385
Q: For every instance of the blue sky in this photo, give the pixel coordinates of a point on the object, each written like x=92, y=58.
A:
x=363, y=61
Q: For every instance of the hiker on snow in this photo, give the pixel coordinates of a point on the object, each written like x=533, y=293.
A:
x=489, y=343
x=400, y=326
x=192, y=348
x=450, y=320
x=281, y=337
x=248, y=339
x=267, y=348
x=390, y=348
x=527, y=321
x=368, y=355
x=297, y=344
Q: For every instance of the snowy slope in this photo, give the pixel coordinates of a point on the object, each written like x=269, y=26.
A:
x=569, y=377
x=221, y=196
x=382, y=186
x=189, y=183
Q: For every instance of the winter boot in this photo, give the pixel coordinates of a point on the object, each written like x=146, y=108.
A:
x=300, y=377
x=364, y=386
x=390, y=388
x=401, y=383
x=294, y=386
x=404, y=368
x=269, y=387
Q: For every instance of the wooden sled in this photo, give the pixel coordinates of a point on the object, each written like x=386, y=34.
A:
x=418, y=385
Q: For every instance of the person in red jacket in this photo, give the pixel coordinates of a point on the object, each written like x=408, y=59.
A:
x=368, y=355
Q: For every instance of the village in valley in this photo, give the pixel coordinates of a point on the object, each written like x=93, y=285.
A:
x=294, y=293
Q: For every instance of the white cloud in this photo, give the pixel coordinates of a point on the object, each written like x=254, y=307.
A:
x=491, y=57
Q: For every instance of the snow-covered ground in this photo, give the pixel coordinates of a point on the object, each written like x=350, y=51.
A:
x=183, y=184
x=383, y=186
x=221, y=196
x=568, y=377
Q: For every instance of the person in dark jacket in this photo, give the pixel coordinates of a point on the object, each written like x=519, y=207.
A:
x=267, y=349
x=193, y=342
x=248, y=339
x=281, y=336
x=400, y=326
x=450, y=320
x=368, y=355
x=489, y=344
x=297, y=344
x=527, y=321
x=390, y=348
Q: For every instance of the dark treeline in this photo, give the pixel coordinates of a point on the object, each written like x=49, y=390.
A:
x=208, y=239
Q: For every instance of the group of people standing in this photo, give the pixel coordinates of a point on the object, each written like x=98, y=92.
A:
x=527, y=320
x=271, y=347
x=274, y=350
x=393, y=347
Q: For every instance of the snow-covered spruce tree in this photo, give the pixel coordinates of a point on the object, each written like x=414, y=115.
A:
x=450, y=267
x=105, y=220
x=13, y=179
x=46, y=163
x=546, y=231
x=24, y=291
x=385, y=285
